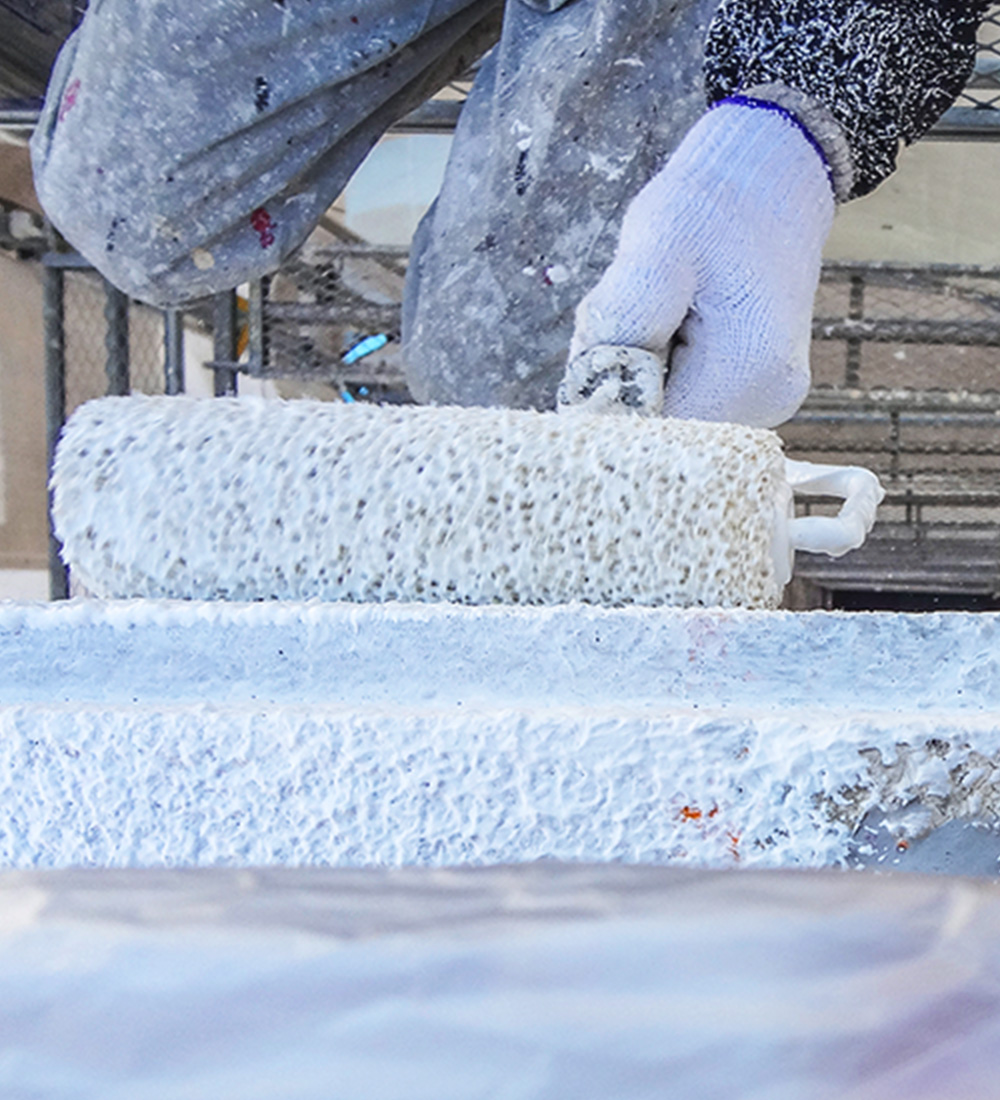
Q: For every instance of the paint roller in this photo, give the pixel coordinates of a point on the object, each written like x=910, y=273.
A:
x=246, y=499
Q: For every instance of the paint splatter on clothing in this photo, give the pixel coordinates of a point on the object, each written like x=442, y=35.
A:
x=69, y=99
x=263, y=226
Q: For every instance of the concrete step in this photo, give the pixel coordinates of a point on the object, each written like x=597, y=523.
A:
x=189, y=734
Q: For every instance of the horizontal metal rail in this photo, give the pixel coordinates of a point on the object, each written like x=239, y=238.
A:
x=380, y=252
x=967, y=124
x=848, y=401
x=907, y=331
x=834, y=268
x=356, y=314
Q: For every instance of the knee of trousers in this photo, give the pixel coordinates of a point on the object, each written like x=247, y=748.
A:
x=164, y=245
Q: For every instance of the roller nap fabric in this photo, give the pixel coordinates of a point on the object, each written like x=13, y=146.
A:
x=249, y=500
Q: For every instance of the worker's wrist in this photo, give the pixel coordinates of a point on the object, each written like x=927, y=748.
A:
x=817, y=123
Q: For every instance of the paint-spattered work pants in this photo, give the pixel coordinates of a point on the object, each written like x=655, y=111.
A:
x=185, y=148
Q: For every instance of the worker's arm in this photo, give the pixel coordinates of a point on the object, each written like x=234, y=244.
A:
x=719, y=256
x=884, y=70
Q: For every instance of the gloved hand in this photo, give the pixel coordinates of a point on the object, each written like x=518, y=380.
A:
x=716, y=270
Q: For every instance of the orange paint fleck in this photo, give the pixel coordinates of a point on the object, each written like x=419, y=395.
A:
x=713, y=811
x=734, y=841
x=690, y=813
x=902, y=845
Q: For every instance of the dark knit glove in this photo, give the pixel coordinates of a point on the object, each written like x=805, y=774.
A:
x=885, y=70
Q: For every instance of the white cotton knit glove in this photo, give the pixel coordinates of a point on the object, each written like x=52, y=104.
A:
x=716, y=271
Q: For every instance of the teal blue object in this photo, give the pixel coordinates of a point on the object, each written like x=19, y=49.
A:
x=365, y=347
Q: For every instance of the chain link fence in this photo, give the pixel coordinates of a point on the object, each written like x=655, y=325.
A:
x=332, y=318
x=98, y=342
x=112, y=345
x=983, y=91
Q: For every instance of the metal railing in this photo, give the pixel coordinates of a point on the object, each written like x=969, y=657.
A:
x=907, y=360
x=909, y=386
x=94, y=346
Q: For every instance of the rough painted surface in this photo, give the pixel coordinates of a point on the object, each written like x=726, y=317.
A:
x=203, y=785
x=147, y=733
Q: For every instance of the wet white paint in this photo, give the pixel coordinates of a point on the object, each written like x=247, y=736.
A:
x=153, y=733
x=370, y=504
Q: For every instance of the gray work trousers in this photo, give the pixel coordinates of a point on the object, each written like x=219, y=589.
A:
x=185, y=148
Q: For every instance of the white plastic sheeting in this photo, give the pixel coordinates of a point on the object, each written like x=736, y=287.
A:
x=535, y=983
x=152, y=734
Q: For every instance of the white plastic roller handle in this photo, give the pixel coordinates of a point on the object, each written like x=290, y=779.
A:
x=861, y=492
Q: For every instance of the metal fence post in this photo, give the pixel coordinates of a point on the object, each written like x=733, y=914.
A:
x=855, y=312
x=224, y=340
x=257, y=332
x=173, y=351
x=116, y=340
x=53, y=317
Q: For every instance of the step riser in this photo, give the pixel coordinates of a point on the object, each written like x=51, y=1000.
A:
x=207, y=786
x=150, y=651
x=152, y=734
